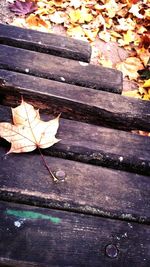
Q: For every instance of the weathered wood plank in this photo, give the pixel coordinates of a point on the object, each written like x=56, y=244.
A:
x=60, y=69
x=86, y=188
x=78, y=103
x=43, y=237
x=98, y=145
x=48, y=43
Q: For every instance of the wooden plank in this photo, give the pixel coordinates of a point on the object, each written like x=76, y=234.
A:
x=98, y=145
x=48, y=43
x=60, y=69
x=74, y=102
x=85, y=188
x=44, y=237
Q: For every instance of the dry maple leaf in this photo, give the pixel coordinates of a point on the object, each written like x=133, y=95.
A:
x=28, y=132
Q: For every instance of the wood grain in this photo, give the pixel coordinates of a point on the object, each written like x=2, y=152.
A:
x=75, y=240
x=75, y=102
x=86, y=188
x=98, y=145
x=47, y=43
x=60, y=69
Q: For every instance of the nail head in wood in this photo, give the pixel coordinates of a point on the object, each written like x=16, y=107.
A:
x=111, y=251
x=60, y=175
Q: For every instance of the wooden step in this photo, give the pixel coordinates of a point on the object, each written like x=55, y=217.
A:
x=98, y=145
x=81, y=187
x=75, y=102
x=43, y=237
x=60, y=69
x=47, y=43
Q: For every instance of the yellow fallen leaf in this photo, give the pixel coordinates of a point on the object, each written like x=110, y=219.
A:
x=129, y=67
x=80, y=16
x=129, y=37
x=143, y=54
x=74, y=15
x=44, y=9
x=76, y=32
x=91, y=34
x=112, y=8
x=146, y=97
x=105, y=36
x=133, y=93
x=147, y=84
x=86, y=16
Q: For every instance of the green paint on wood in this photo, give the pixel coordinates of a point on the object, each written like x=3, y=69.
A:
x=32, y=215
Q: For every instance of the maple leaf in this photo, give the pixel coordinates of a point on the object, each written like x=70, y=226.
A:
x=23, y=8
x=28, y=132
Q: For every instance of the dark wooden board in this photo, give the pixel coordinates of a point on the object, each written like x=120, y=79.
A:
x=74, y=102
x=44, y=237
x=48, y=43
x=98, y=145
x=86, y=188
x=60, y=69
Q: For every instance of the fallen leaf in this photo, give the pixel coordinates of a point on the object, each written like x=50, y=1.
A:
x=129, y=67
x=76, y=32
x=124, y=22
x=133, y=93
x=112, y=8
x=74, y=15
x=147, y=84
x=129, y=37
x=36, y=22
x=58, y=17
x=135, y=11
x=23, y=8
x=143, y=54
x=75, y=3
x=80, y=16
x=91, y=34
x=57, y=3
x=105, y=36
x=28, y=131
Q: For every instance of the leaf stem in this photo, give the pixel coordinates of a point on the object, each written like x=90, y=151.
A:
x=45, y=164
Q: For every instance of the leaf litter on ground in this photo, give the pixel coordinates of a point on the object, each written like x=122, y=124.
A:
x=124, y=22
